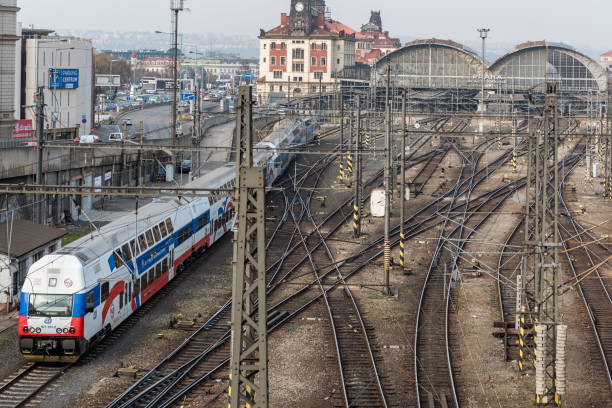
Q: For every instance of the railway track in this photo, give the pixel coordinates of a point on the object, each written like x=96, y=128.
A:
x=589, y=253
x=27, y=384
x=339, y=217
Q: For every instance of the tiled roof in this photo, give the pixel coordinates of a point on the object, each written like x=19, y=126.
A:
x=27, y=236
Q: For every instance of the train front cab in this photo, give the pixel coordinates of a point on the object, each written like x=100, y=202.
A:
x=51, y=327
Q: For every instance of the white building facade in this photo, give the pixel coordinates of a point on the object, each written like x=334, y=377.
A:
x=68, y=99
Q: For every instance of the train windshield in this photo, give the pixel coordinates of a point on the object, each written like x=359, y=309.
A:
x=42, y=305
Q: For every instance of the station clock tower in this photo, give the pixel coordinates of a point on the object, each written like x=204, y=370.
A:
x=300, y=17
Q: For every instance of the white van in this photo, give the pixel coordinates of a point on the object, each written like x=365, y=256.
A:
x=87, y=139
x=115, y=137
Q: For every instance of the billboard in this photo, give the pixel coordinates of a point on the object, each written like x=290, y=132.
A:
x=63, y=78
x=108, y=80
x=23, y=129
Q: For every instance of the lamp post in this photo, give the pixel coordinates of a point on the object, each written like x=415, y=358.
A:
x=483, y=34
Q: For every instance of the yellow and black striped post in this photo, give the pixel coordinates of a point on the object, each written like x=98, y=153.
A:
x=319, y=137
x=349, y=164
x=341, y=170
x=356, y=220
x=367, y=140
x=402, y=250
x=522, y=351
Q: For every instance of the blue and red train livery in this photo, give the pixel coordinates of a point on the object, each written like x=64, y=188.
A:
x=79, y=294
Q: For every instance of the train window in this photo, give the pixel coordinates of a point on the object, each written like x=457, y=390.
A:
x=143, y=282
x=129, y=293
x=200, y=222
x=158, y=271
x=156, y=233
x=162, y=228
x=118, y=259
x=121, y=300
x=165, y=265
x=89, y=303
x=172, y=257
x=127, y=255
x=104, y=292
x=136, y=288
x=151, y=275
x=169, y=225
x=150, y=241
x=143, y=242
x=135, y=248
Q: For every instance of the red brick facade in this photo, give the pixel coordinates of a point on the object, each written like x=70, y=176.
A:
x=278, y=53
x=318, y=53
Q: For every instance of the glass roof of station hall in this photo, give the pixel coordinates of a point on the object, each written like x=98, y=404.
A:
x=438, y=63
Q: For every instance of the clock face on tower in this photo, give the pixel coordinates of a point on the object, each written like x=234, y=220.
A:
x=299, y=7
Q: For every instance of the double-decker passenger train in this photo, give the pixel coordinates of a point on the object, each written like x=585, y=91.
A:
x=77, y=295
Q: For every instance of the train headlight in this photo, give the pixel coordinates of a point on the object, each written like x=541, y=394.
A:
x=72, y=330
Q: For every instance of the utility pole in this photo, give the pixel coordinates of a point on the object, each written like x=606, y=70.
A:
x=140, y=158
x=388, y=182
x=403, y=184
x=40, y=119
x=608, y=166
x=541, y=259
x=357, y=174
x=341, y=135
x=175, y=6
x=124, y=168
x=249, y=355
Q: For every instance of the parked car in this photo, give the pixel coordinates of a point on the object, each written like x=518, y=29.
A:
x=184, y=166
x=87, y=139
x=28, y=144
x=115, y=137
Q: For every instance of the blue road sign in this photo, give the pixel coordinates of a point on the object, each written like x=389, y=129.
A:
x=166, y=99
x=128, y=98
x=63, y=78
x=187, y=97
x=247, y=75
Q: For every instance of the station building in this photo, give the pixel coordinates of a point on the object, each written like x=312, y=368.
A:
x=444, y=74
x=310, y=53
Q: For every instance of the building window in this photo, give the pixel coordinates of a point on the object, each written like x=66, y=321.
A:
x=318, y=75
x=323, y=61
x=280, y=88
x=283, y=46
x=271, y=88
x=265, y=46
x=36, y=256
x=313, y=46
x=313, y=60
x=264, y=60
x=278, y=74
x=300, y=79
x=298, y=53
x=324, y=46
x=299, y=67
x=282, y=61
x=273, y=46
x=324, y=89
x=273, y=60
x=338, y=61
x=314, y=88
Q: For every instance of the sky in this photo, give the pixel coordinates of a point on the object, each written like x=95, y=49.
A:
x=583, y=24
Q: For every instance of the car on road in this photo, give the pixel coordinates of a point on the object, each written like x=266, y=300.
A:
x=184, y=166
x=28, y=144
x=87, y=139
x=115, y=137
x=127, y=121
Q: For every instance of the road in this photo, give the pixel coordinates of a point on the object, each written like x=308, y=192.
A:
x=156, y=122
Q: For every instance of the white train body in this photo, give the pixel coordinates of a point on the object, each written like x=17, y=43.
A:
x=82, y=292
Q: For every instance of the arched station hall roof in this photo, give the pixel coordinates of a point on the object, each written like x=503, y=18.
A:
x=435, y=63
x=432, y=63
x=532, y=63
